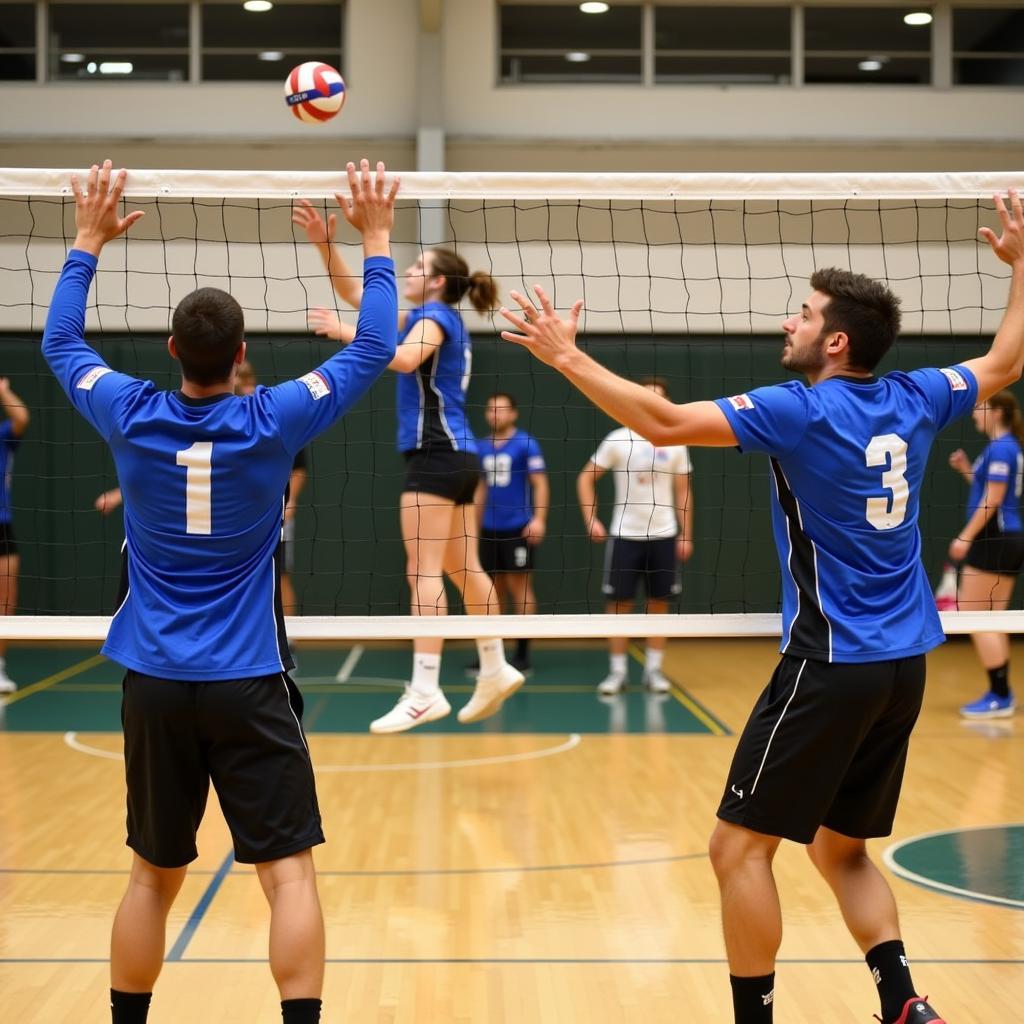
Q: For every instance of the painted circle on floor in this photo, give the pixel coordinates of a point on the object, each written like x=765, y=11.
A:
x=983, y=863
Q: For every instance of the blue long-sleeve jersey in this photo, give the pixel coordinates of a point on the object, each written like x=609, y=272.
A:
x=203, y=482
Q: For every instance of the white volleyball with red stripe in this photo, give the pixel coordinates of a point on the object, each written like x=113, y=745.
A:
x=315, y=92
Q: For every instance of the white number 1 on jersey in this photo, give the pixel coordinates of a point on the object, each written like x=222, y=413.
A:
x=197, y=461
x=891, y=450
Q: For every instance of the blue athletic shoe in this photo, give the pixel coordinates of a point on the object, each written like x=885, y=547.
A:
x=989, y=706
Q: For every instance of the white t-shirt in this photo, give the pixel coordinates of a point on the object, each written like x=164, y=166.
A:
x=645, y=504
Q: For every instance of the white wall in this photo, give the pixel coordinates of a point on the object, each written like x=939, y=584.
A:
x=489, y=126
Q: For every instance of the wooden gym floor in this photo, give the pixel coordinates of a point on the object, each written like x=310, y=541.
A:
x=548, y=866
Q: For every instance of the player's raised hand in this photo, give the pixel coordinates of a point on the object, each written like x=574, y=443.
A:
x=958, y=460
x=543, y=331
x=306, y=216
x=328, y=325
x=371, y=209
x=1009, y=247
x=96, y=216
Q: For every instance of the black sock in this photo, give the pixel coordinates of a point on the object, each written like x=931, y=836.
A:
x=888, y=964
x=753, y=998
x=999, y=680
x=522, y=649
x=300, y=1011
x=129, y=1007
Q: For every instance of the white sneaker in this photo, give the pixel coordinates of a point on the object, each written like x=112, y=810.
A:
x=411, y=710
x=7, y=685
x=490, y=693
x=612, y=685
x=656, y=681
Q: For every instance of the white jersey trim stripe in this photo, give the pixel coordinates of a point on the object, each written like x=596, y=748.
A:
x=288, y=699
x=776, y=727
x=440, y=398
x=787, y=626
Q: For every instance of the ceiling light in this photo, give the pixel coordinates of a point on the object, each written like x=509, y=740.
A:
x=72, y=58
x=594, y=7
x=257, y=6
x=870, y=65
x=116, y=67
x=91, y=67
x=917, y=18
x=577, y=57
x=271, y=55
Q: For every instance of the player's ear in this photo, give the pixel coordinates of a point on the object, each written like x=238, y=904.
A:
x=240, y=354
x=839, y=342
x=172, y=348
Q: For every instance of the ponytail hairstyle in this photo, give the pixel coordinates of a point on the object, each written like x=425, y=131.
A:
x=458, y=281
x=1005, y=402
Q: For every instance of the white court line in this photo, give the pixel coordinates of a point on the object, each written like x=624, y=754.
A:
x=574, y=740
x=889, y=859
x=72, y=740
x=349, y=664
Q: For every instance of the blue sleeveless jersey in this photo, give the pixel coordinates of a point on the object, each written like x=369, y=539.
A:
x=8, y=443
x=507, y=466
x=1001, y=461
x=203, y=483
x=847, y=460
x=432, y=399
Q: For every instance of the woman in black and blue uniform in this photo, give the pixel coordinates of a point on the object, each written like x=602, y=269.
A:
x=439, y=525
x=990, y=546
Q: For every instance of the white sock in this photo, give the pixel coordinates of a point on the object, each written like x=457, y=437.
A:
x=426, y=674
x=654, y=659
x=492, y=655
x=618, y=664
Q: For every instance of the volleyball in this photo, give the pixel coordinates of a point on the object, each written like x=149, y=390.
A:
x=314, y=91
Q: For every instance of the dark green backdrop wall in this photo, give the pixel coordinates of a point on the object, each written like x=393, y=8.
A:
x=349, y=554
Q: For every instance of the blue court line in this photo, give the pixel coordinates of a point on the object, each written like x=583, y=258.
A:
x=179, y=947
x=513, y=961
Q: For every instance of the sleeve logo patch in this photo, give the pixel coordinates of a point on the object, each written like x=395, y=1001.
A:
x=741, y=402
x=1002, y=468
x=956, y=380
x=87, y=381
x=317, y=384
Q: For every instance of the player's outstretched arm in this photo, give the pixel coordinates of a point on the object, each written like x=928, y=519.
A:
x=553, y=341
x=348, y=286
x=1003, y=364
x=97, y=220
x=14, y=407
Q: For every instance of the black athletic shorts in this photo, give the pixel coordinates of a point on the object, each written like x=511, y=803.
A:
x=505, y=551
x=826, y=744
x=8, y=545
x=993, y=551
x=243, y=734
x=627, y=562
x=441, y=471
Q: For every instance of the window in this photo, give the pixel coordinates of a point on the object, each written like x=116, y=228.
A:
x=722, y=44
x=543, y=43
x=988, y=46
x=114, y=42
x=240, y=45
x=865, y=44
x=17, y=42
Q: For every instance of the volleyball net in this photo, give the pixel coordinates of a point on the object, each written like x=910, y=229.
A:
x=684, y=277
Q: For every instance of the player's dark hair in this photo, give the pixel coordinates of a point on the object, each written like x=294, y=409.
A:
x=458, y=281
x=655, y=382
x=863, y=309
x=208, y=327
x=503, y=394
x=1005, y=402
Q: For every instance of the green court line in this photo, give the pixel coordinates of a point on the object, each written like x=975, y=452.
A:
x=708, y=720
x=57, y=677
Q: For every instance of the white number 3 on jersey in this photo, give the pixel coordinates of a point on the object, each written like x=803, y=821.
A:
x=888, y=450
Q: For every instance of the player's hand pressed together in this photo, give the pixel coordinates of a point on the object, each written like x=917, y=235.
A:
x=96, y=218
x=328, y=325
x=545, y=334
x=959, y=461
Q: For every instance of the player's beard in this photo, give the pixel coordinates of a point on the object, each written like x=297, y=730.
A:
x=810, y=359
